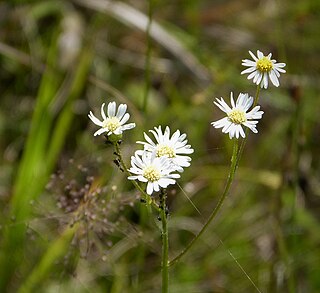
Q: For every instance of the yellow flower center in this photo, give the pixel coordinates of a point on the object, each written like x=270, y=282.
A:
x=237, y=116
x=164, y=150
x=151, y=173
x=264, y=64
x=112, y=123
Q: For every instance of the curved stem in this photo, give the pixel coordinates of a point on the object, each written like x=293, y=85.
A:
x=233, y=167
x=165, y=244
x=135, y=183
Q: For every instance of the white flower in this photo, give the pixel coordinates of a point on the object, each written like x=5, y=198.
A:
x=263, y=67
x=115, y=122
x=175, y=148
x=238, y=115
x=155, y=171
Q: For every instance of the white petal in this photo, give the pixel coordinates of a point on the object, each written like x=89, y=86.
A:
x=121, y=110
x=111, y=109
x=248, y=70
x=149, y=188
x=164, y=182
x=253, y=56
x=156, y=186
x=274, y=78
x=232, y=100
x=242, y=132
x=125, y=118
x=220, y=123
x=94, y=119
x=148, y=139
x=128, y=126
x=260, y=54
x=100, y=131
x=222, y=105
x=103, y=115
x=265, y=80
x=253, y=74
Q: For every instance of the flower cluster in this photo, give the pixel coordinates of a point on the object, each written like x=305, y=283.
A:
x=260, y=70
x=166, y=155
x=155, y=171
x=157, y=163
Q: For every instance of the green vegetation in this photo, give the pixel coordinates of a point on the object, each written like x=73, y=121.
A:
x=72, y=222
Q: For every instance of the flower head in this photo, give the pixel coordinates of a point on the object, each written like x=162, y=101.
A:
x=115, y=122
x=174, y=147
x=263, y=67
x=155, y=171
x=238, y=115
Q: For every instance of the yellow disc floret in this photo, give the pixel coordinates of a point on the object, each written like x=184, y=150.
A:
x=151, y=173
x=164, y=150
x=112, y=123
x=237, y=116
x=264, y=64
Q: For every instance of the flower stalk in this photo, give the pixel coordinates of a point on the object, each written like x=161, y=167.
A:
x=233, y=168
x=165, y=241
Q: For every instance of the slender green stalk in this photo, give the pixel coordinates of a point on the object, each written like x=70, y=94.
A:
x=163, y=208
x=233, y=167
x=256, y=98
x=148, y=58
x=165, y=243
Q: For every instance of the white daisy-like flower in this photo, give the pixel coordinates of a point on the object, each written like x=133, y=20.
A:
x=263, y=67
x=154, y=171
x=238, y=116
x=115, y=122
x=174, y=147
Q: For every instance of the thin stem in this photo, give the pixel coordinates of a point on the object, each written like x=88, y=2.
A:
x=135, y=183
x=233, y=167
x=148, y=58
x=165, y=244
x=256, y=98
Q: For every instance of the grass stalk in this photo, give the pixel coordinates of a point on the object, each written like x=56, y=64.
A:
x=39, y=158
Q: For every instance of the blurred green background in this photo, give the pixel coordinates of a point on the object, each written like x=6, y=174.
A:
x=71, y=222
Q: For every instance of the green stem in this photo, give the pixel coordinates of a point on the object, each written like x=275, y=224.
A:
x=233, y=167
x=165, y=244
x=148, y=58
x=256, y=98
x=123, y=165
